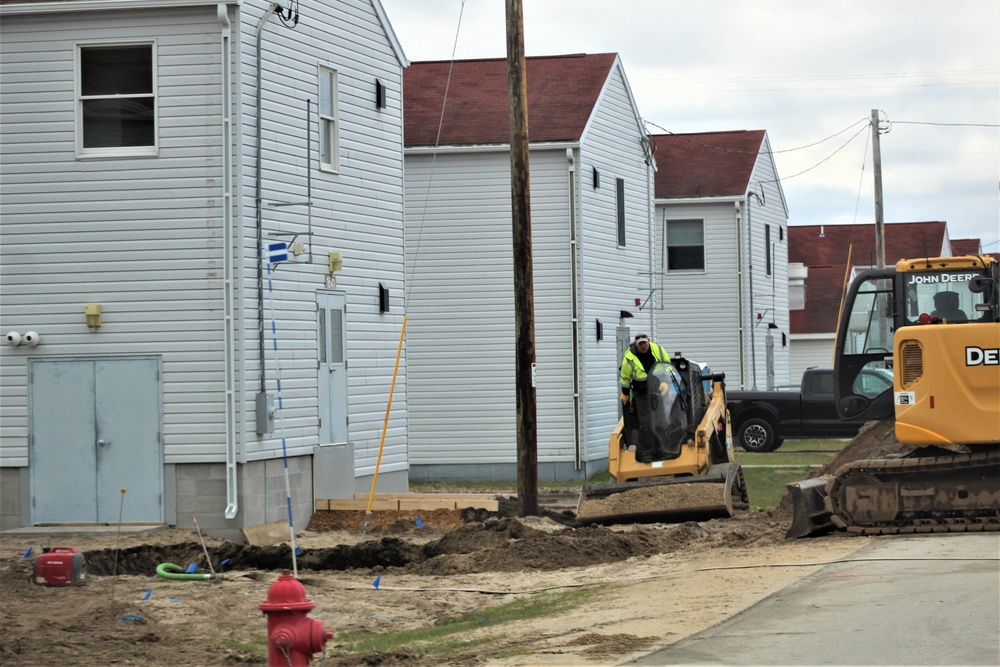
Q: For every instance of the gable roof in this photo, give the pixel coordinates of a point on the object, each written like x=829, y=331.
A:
x=705, y=164
x=824, y=245
x=562, y=93
x=825, y=248
x=966, y=246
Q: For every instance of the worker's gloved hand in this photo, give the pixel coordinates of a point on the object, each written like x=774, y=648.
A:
x=624, y=398
x=664, y=388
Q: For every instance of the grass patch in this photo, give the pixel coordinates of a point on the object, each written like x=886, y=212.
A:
x=455, y=634
x=766, y=486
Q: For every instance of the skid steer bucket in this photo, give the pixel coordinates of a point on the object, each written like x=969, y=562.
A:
x=809, y=513
x=719, y=493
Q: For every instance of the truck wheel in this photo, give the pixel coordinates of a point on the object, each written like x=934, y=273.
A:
x=777, y=443
x=756, y=435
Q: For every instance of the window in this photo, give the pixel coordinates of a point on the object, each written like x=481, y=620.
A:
x=379, y=94
x=767, y=249
x=329, y=140
x=116, y=100
x=685, y=242
x=620, y=193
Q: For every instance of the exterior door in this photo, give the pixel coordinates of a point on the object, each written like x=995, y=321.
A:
x=332, y=380
x=94, y=430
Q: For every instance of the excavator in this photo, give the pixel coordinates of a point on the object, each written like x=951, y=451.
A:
x=696, y=476
x=935, y=322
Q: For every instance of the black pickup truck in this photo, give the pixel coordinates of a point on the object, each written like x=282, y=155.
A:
x=761, y=420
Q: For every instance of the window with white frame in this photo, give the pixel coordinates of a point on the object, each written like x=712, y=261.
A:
x=685, y=243
x=329, y=130
x=767, y=249
x=620, y=210
x=116, y=99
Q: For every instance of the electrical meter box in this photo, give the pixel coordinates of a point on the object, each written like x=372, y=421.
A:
x=265, y=414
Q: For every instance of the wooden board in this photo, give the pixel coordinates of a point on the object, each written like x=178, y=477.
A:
x=266, y=534
x=412, y=501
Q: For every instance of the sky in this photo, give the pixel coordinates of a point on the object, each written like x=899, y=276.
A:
x=809, y=73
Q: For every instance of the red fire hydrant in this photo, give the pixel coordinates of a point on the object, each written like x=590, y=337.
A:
x=292, y=637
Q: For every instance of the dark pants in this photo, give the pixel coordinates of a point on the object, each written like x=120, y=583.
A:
x=645, y=448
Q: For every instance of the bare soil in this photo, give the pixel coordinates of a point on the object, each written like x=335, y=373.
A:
x=656, y=583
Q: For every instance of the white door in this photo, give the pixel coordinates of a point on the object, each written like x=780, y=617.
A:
x=332, y=344
x=95, y=430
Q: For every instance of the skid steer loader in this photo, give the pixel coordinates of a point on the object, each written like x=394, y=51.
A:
x=694, y=477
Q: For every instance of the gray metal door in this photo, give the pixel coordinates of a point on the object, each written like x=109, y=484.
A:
x=95, y=430
x=332, y=380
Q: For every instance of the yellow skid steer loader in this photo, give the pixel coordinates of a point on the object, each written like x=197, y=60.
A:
x=694, y=477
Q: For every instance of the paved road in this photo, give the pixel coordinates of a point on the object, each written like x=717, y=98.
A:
x=922, y=600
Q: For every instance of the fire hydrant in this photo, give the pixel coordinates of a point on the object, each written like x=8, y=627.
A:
x=292, y=637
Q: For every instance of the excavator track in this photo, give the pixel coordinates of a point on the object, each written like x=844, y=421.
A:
x=923, y=494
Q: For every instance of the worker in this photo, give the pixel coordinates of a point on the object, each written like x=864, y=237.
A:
x=640, y=357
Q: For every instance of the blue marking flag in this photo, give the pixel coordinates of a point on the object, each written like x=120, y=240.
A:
x=298, y=550
x=27, y=553
x=223, y=563
x=420, y=524
x=277, y=251
x=149, y=591
x=191, y=568
x=376, y=582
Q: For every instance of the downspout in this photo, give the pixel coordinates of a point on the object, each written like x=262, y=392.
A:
x=739, y=292
x=228, y=264
x=575, y=295
x=259, y=200
x=650, y=239
x=753, y=323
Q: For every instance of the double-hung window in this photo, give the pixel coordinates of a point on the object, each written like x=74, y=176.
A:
x=329, y=130
x=116, y=99
x=685, y=242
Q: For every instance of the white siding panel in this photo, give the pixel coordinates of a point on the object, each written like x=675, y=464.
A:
x=75, y=230
x=358, y=212
x=460, y=294
x=612, y=277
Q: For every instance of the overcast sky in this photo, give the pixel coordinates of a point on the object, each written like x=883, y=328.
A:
x=804, y=71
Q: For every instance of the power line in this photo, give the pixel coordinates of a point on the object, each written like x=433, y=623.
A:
x=917, y=122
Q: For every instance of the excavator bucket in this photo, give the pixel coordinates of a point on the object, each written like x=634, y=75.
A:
x=719, y=493
x=809, y=513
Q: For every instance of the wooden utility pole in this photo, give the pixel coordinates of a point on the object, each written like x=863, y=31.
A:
x=524, y=299
x=879, y=217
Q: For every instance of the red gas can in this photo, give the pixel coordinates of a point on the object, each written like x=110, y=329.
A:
x=61, y=566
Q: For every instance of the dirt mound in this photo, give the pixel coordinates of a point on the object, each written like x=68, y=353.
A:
x=875, y=440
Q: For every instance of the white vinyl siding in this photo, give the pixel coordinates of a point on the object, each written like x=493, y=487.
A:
x=138, y=235
x=357, y=212
x=145, y=237
x=611, y=277
x=460, y=296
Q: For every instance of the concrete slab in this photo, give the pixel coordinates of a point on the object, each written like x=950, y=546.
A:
x=902, y=600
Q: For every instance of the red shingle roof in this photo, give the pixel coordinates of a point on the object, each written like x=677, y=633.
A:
x=562, y=92
x=966, y=246
x=826, y=256
x=824, y=290
x=902, y=240
x=705, y=164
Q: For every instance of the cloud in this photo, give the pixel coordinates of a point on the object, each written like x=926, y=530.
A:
x=802, y=71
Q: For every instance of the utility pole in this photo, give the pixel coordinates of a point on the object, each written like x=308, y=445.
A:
x=879, y=218
x=524, y=299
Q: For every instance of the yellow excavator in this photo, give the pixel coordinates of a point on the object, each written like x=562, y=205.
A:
x=695, y=477
x=935, y=322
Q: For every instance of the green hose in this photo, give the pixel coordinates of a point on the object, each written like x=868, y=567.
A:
x=171, y=571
